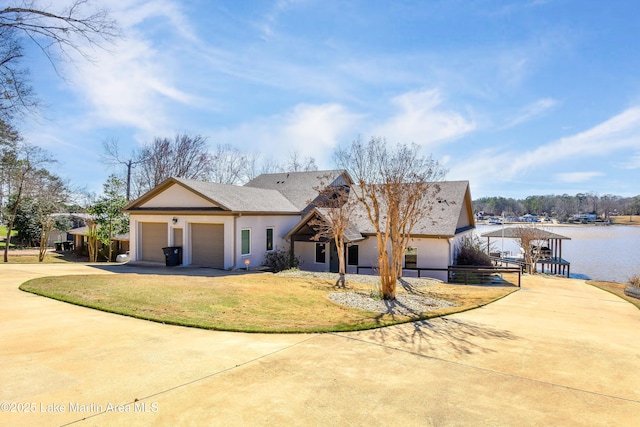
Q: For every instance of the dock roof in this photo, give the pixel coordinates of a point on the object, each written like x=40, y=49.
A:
x=512, y=233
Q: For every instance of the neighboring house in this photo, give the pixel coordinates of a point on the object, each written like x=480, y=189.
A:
x=222, y=226
x=77, y=220
x=80, y=240
x=585, y=217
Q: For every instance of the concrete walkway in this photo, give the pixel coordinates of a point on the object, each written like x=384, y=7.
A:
x=558, y=352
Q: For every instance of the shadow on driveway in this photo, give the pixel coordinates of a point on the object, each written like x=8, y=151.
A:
x=442, y=335
x=160, y=269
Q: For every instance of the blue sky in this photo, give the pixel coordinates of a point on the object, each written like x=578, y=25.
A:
x=519, y=97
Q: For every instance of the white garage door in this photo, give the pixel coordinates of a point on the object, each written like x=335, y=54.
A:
x=154, y=238
x=207, y=245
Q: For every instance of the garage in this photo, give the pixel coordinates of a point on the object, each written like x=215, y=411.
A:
x=207, y=245
x=154, y=238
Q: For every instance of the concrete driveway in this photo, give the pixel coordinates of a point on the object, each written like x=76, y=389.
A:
x=558, y=352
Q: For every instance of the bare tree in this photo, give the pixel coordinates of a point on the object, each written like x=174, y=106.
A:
x=270, y=165
x=250, y=170
x=397, y=188
x=17, y=93
x=184, y=156
x=333, y=210
x=29, y=162
x=297, y=163
x=228, y=165
x=9, y=140
x=113, y=157
x=531, y=240
x=52, y=193
x=57, y=33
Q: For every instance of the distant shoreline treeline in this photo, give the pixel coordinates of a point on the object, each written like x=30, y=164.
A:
x=560, y=206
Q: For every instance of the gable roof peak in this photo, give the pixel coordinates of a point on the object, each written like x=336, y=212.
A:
x=298, y=187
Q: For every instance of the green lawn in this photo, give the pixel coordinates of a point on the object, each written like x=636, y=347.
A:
x=3, y=231
x=248, y=303
x=50, y=257
x=3, y=236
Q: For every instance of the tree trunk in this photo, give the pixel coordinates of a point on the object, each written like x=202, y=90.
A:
x=92, y=241
x=110, y=245
x=388, y=277
x=9, y=230
x=42, y=250
x=7, y=242
x=45, y=232
x=341, y=261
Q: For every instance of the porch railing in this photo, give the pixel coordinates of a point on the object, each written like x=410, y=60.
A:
x=464, y=273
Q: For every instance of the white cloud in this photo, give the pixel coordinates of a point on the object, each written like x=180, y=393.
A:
x=131, y=84
x=420, y=119
x=271, y=18
x=632, y=163
x=311, y=130
x=532, y=111
x=131, y=13
x=576, y=177
x=126, y=89
x=620, y=132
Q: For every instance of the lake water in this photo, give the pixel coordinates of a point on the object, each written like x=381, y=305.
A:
x=595, y=252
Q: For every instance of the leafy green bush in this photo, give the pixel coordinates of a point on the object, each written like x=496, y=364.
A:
x=280, y=260
x=471, y=251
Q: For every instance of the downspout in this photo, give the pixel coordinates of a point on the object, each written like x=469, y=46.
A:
x=235, y=237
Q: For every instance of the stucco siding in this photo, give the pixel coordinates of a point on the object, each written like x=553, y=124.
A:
x=177, y=196
x=432, y=253
x=258, y=224
x=306, y=252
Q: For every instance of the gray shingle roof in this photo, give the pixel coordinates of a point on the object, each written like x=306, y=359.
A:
x=297, y=187
x=444, y=219
x=446, y=208
x=241, y=199
x=352, y=231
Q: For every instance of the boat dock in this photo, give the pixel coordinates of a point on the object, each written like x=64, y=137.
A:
x=548, y=260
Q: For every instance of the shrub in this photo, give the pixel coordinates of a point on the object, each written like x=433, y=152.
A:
x=635, y=281
x=471, y=251
x=280, y=260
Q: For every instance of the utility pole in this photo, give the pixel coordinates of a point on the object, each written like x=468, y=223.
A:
x=113, y=157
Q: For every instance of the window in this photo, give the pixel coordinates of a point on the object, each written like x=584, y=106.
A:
x=246, y=241
x=352, y=255
x=269, y=239
x=411, y=257
x=321, y=255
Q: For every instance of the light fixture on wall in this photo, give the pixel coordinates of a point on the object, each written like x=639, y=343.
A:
x=174, y=220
